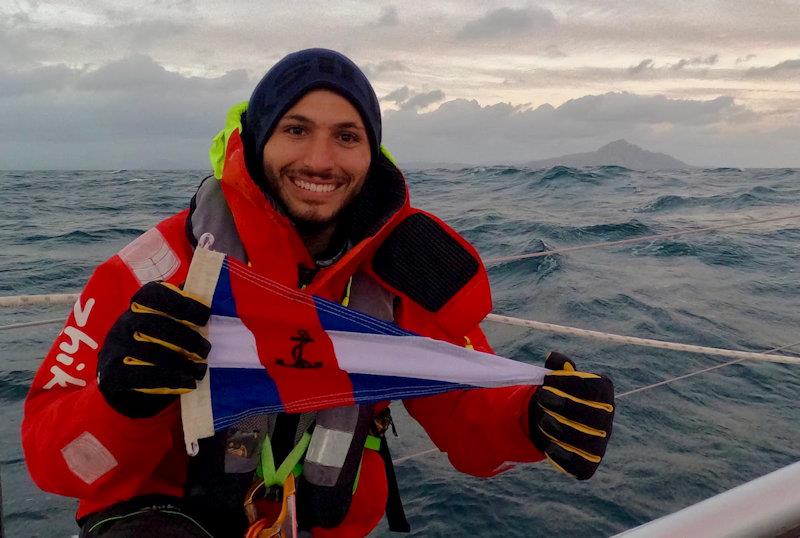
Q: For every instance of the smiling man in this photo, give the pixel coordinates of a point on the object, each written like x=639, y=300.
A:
x=316, y=167
x=303, y=193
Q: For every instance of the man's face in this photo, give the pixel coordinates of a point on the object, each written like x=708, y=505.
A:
x=317, y=158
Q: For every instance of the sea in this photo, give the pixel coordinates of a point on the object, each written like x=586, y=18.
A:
x=673, y=445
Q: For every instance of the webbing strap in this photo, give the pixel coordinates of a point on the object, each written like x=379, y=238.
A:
x=395, y=515
x=292, y=461
x=373, y=443
x=266, y=470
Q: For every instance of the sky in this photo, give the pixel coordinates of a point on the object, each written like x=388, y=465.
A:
x=109, y=84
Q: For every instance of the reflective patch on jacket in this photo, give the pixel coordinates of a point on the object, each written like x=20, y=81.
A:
x=149, y=257
x=87, y=458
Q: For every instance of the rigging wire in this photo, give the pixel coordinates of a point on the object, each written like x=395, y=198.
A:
x=644, y=342
x=697, y=372
x=31, y=300
x=31, y=324
x=64, y=298
x=22, y=300
x=625, y=394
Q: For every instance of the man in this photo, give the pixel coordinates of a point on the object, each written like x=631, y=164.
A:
x=306, y=196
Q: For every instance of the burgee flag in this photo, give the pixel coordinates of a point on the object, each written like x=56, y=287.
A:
x=276, y=349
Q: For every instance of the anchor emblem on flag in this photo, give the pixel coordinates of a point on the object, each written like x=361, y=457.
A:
x=302, y=339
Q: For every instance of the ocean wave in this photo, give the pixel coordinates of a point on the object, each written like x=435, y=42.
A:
x=610, y=231
x=623, y=305
x=722, y=170
x=711, y=252
x=14, y=385
x=668, y=202
x=569, y=176
x=83, y=237
x=734, y=288
x=614, y=170
x=755, y=197
x=541, y=176
x=667, y=249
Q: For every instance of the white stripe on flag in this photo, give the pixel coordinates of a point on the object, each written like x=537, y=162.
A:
x=425, y=358
x=232, y=344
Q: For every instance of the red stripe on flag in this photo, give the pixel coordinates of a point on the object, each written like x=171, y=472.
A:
x=292, y=345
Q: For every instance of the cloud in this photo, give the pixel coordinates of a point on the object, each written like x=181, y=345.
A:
x=35, y=81
x=744, y=59
x=785, y=69
x=422, y=100
x=622, y=107
x=388, y=17
x=142, y=73
x=464, y=131
x=553, y=51
x=399, y=95
x=126, y=114
x=386, y=66
x=641, y=67
x=135, y=113
x=697, y=60
x=408, y=99
x=508, y=22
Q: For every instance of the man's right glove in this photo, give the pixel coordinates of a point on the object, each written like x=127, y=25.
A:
x=154, y=351
x=570, y=417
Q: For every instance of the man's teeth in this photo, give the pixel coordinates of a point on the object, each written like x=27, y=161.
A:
x=314, y=187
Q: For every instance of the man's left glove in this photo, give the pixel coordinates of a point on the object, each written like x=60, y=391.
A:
x=154, y=351
x=570, y=417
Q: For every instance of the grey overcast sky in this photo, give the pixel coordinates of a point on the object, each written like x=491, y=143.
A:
x=113, y=84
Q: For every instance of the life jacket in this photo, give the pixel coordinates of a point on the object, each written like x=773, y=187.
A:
x=403, y=265
x=438, y=278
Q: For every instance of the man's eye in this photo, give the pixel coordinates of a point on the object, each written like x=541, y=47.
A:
x=348, y=138
x=294, y=130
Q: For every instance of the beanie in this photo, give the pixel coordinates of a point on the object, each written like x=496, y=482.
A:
x=289, y=80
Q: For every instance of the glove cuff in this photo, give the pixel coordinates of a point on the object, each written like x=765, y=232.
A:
x=534, y=415
x=136, y=404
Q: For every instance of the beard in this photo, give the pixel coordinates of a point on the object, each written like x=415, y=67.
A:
x=309, y=218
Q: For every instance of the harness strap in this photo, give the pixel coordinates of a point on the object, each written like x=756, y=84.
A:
x=266, y=469
x=395, y=515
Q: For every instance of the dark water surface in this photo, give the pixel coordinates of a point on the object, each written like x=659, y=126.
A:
x=672, y=446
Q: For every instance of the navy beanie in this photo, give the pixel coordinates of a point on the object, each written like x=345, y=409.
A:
x=289, y=80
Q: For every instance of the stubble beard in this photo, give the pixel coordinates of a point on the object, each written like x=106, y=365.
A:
x=310, y=220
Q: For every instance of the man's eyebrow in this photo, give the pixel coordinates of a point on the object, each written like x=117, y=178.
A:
x=341, y=125
x=349, y=125
x=297, y=117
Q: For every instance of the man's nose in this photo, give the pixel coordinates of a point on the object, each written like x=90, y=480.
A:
x=319, y=157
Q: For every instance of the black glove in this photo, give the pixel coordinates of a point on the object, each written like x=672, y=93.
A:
x=570, y=417
x=153, y=352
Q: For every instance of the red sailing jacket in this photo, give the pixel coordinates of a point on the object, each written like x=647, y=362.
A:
x=76, y=445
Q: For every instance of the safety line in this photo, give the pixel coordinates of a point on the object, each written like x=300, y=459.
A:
x=704, y=370
x=25, y=300
x=401, y=459
x=31, y=324
x=627, y=393
x=575, y=331
x=21, y=300
x=63, y=298
x=741, y=355
x=644, y=239
x=645, y=342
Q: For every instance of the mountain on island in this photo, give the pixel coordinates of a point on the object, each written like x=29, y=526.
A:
x=617, y=153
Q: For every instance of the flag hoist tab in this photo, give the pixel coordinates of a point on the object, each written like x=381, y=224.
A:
x=196, y=413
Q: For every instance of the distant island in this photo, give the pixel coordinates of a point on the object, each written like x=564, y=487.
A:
x=616, y=153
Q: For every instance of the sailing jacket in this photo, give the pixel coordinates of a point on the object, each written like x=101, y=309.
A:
x=76, y=445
